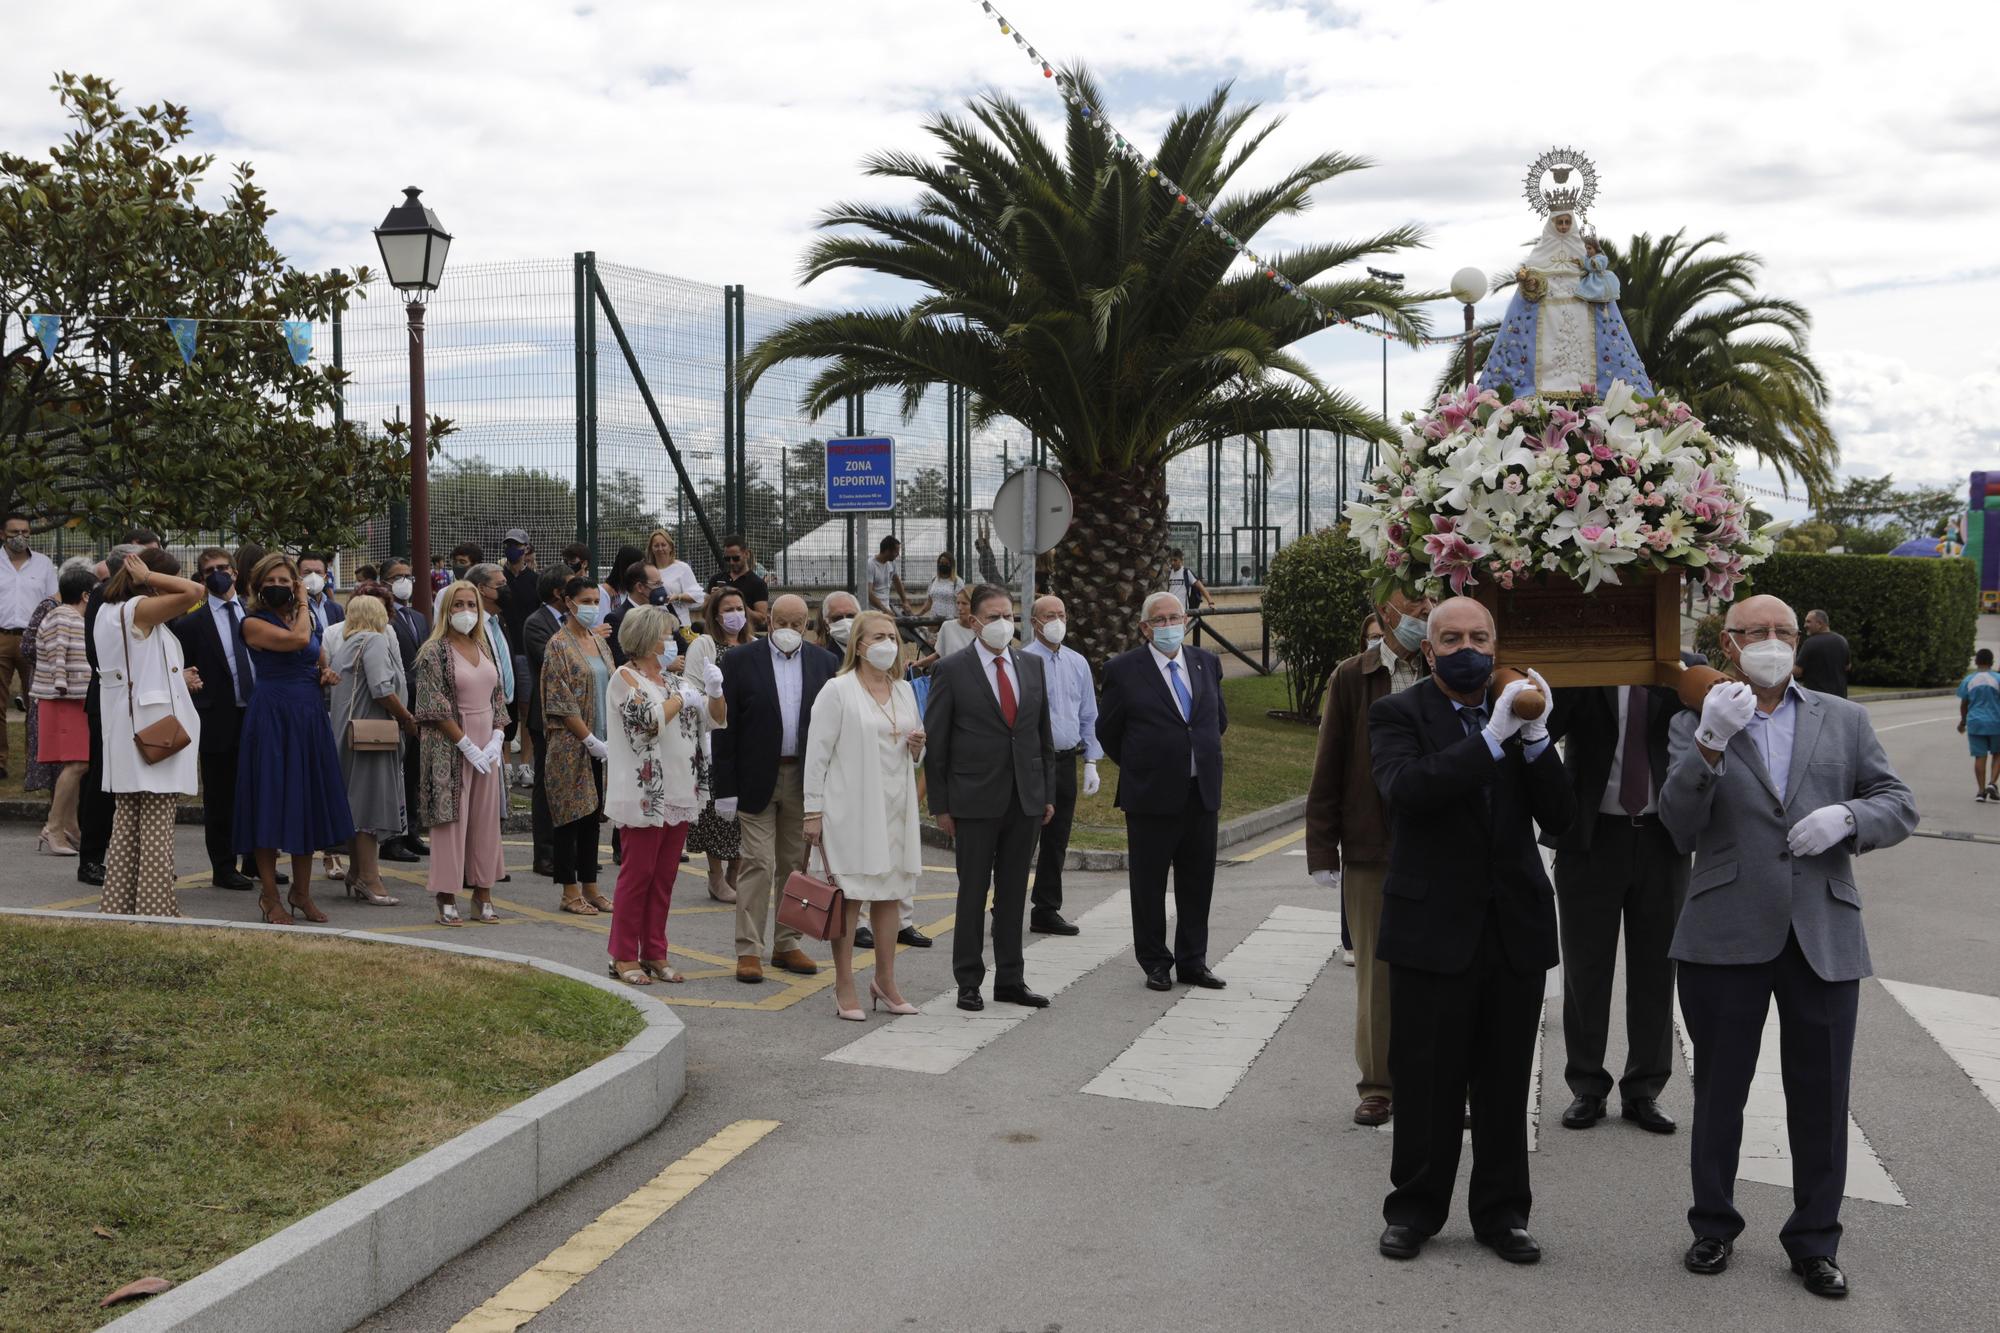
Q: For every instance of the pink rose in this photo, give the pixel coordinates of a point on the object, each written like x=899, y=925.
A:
x=1591, y=532
x=1601, y=452
x=1512, y=485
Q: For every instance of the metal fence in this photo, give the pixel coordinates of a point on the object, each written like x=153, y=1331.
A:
x=553, y=434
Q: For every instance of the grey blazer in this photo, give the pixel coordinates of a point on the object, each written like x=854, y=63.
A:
x=974, y=765
x=1747, y=890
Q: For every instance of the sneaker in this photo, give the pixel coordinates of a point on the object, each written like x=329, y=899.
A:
x=1993, y=791
x=1347, y=958
x=1981, y=798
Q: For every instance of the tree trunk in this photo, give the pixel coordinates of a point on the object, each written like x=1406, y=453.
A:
x=1113, y=555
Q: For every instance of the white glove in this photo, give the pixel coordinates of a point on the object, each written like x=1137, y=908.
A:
x=474, y=755
x=1504, y=723
x=597, y=749
x=711, y=680
x=1326, y=879
x=1724, y=713
x=1538, y=729
x=1820, y=830
x=692, y=696
x=726, y=807
x=495, y=747
x=1091, y=782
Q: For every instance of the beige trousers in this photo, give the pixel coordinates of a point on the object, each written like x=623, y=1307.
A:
x=1361, y=899
x=774, y=842
x=139, y=863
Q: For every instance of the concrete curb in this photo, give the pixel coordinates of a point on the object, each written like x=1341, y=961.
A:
x=1942, y=692
x=1241, y=829
x=32, y=808
x=327, y=1272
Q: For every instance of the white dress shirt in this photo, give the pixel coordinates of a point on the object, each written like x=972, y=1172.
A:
x=987, y=657
x=790, y=672
x=220, y=610
x=23, y=589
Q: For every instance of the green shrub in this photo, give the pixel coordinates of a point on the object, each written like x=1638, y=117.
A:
x=1708, y=637
x=1315, y=598
x=1908, y=621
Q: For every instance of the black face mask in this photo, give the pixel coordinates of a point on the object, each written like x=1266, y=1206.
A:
x=277, y=597
x=576, y=566
x=458, y=571
x=500, y=598
x=1464, y=671
x=944, y=570
x=219, y=581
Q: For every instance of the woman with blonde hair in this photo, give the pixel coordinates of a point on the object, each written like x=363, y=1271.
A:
x=726, y=624
x=460, y=717
x=861, y=801
x=677, y=580
x=371, y=689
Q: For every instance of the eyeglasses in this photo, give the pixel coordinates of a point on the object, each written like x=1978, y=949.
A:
x=1160, y=622
x=1759, y=633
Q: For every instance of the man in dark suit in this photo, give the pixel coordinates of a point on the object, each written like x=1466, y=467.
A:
x=1161, y=720
x=536, y=631
x=768, y=688
x=1468, y=930
x=989, y=771
x=1618, y=862
x=411, y=628
x=211, y=638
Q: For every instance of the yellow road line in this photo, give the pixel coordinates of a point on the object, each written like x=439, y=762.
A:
x=70, y=904
x=1272, y=846
x=580, y=1256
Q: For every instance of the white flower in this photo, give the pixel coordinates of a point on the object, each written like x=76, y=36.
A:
x=1618, y=399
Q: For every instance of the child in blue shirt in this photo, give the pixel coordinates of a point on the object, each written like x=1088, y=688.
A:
x=1979, y=721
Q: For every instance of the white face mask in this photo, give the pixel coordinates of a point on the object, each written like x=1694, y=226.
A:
x=842, y=631
x=1374, y=644
x=1054, y=631
x=882, y=654
x=465, y=621
x=315, y=583
x=402, y=589
x=1767, y=664
x=787, y=640
x=997, y=634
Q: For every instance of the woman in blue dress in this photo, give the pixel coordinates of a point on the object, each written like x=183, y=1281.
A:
x=290, y=795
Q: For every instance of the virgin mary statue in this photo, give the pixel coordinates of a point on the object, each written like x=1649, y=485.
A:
x=1563, y=336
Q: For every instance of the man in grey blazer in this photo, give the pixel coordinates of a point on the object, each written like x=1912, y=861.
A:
x=1775, y=789
x=989, y=770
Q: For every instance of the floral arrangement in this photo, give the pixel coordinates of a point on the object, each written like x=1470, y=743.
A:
x=1480, y=488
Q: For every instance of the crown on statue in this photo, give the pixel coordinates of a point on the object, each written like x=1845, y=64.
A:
x=1560, y=196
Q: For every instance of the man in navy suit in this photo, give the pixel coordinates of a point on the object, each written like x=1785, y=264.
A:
x=769, y=687
x=211, y=638
x=1161, y=720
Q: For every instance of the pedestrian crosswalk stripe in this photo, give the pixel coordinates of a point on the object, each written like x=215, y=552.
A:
x=1964, y=1023
x=941, y=1036
x=1767, y=1154
x=1198, y=1051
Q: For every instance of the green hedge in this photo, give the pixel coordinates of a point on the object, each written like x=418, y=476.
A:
x=1908, y=621
x=1315, y=597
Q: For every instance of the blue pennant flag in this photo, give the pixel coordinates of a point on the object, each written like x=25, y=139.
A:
x=184, y=331
x=46, y=328
x=299, y=338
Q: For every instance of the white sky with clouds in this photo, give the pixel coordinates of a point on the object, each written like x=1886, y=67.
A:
x=1853, y=146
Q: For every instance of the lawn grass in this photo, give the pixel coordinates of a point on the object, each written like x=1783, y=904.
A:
x=190, y=1092
x=1264, y=761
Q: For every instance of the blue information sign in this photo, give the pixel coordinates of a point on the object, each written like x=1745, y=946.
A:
x=861, y=474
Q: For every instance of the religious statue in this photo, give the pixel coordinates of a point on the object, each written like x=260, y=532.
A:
x=1563, y=336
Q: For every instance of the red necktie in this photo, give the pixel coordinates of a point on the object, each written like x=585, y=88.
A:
x=1007, y=708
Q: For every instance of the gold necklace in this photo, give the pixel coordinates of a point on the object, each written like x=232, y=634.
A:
x=888, y=710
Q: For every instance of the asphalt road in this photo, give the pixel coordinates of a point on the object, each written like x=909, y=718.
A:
x=1000, y=1196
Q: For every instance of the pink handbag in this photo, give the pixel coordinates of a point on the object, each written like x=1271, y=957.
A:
x=813, y=907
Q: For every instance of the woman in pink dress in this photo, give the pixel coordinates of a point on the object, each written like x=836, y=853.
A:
x=460, y=717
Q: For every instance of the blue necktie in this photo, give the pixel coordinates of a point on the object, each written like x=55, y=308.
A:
x=1473, y=718
x=1181, y=691
x=240, y=650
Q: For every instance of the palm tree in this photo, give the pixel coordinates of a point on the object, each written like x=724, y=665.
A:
x=1068, y=291
x=1736, y=357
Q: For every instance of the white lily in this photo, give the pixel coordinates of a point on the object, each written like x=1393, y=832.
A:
x=1598, y=555
x=1618, y=399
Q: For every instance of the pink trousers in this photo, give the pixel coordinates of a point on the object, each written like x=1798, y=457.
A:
x=645, y=892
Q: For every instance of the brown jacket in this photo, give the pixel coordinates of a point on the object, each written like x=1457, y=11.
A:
x=1345, y=816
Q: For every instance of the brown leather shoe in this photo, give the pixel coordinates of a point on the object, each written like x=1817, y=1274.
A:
x=1372, y=1111
x=748, y=969
x=795, y=960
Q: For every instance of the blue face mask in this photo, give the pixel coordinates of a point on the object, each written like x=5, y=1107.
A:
x=1167, y=638
x=1464, y=671
x=1410, y=632
x=587, y=614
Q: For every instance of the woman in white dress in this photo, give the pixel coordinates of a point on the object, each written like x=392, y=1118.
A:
x=141, y=681
x=861, y=800
x=676, y=578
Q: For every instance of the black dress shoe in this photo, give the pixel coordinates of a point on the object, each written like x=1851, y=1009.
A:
x=1205, y=979
x=864, y=938
x=1822, y=1276
x=913, y=937
x=1514, y=1245
x=546, y=868
x=416, y=843
x=1584, y=1112
x=1159, y=980
x=91, y=873
x=1020, y=995
x=394, y=850
x=230, y=879
x=282, y=878
x=1401, y=1242
x=1051, y=923
x=1647, y=1115
x=968, y=999
x=1708, y=1255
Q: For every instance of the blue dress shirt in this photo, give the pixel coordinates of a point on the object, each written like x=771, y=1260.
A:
x=1072, y=700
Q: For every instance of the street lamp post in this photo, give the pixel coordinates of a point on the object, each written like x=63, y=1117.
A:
x=1468, y=285
x=413, y=247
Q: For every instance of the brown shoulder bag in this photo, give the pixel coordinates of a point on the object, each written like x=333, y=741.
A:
x=163, y=739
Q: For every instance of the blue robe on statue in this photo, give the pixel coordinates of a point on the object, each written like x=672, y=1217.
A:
x=1581, y=289
x=1511, y=361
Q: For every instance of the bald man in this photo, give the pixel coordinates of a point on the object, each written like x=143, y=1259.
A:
x=1776, y=789
x=1468, y=930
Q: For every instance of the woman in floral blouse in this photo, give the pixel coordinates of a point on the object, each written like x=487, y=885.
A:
x=576, y=673
x=654, y=742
